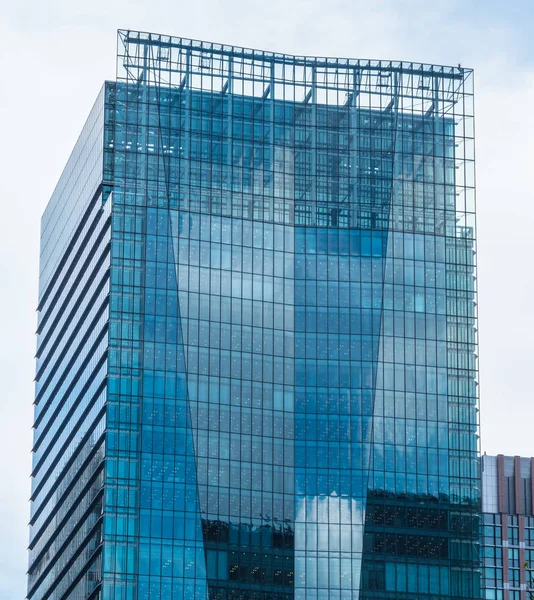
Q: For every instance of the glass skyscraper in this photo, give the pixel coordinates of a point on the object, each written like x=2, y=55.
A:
x=257, y=344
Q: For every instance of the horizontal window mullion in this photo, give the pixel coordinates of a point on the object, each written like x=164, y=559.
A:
x=72, y=431
x=95, y=304
x=71, y=296
x=72, y=481
x=66, y=555
x=78, y=388
x=41, y=496
x=79, y=268
x=62, y=528
x=51, y=435
x=77, y=569
x=65, y=380
x=80, y=239
x=80, y=183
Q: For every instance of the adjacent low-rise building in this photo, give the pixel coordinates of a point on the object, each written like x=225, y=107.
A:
x=508, y=526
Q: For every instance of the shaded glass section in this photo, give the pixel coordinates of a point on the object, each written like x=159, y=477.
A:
x=71, y=370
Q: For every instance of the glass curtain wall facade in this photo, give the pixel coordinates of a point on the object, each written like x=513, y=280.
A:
x=289, y=406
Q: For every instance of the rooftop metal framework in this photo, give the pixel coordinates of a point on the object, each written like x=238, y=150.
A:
x=185, y=63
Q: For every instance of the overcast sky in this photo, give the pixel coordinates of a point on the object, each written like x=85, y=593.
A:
x=54, y=56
